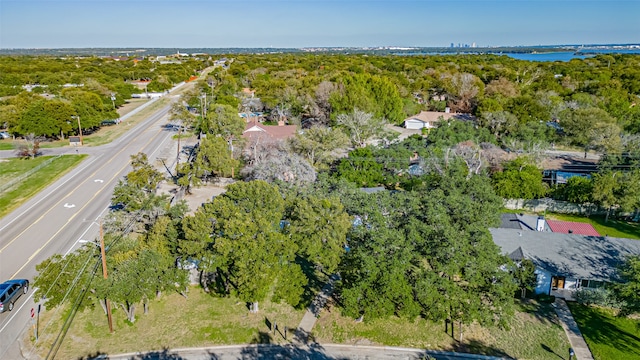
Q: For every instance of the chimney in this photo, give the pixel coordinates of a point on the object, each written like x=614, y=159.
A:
x=540, y=223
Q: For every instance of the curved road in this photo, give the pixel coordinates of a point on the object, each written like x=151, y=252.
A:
x=54, y=221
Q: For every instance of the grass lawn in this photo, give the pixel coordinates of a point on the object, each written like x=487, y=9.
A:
x=535, y=334
x=12, y=168
x=613, y=228
x=6, y=144
x=173, y=321
x=608, y=336
x=205, y=320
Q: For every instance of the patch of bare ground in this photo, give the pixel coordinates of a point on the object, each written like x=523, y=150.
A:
x=197, y=196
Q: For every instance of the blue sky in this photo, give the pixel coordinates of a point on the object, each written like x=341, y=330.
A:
x=309, y=23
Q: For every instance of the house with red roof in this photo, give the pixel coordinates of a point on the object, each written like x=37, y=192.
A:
x=254, y=130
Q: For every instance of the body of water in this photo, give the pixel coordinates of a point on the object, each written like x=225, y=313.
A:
x=568, y=55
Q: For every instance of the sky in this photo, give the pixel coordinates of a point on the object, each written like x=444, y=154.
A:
x=314, y=23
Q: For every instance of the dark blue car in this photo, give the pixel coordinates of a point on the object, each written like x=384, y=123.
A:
x=10, y=291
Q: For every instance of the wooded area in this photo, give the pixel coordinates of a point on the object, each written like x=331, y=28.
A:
x=418, y=247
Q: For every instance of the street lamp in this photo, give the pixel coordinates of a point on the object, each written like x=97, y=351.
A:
x=79, y=127
x=113, y=100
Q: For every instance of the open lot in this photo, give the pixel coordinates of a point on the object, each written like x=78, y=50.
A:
x=205, y=320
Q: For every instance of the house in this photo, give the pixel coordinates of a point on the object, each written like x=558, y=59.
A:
x=523, y=222
x=430, y=119
x=257, y=131
x=566, y=262
x=539, y=223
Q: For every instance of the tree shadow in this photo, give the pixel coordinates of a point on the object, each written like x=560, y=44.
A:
x=94, y=356
x=599, y=329
x=164, y=354
x=549, y=350
x=479, y=347
x=258, y=350
x=316, y=281
x=543, y=312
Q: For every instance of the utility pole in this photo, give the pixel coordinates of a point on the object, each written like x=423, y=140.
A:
x=77, y=117
x=104, y=273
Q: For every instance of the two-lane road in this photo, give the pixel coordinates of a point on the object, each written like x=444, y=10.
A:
x=69, y=210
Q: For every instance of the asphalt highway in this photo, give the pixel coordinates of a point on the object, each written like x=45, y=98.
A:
x=66, y=214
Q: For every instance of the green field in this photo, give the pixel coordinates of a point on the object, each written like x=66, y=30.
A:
x=10, y=169
x=608, y=336
x=204, y=320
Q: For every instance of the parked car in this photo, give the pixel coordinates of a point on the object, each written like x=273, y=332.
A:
x=10, y=291
x=4, y=135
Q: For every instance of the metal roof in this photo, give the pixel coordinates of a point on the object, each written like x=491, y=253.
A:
x=572, y=227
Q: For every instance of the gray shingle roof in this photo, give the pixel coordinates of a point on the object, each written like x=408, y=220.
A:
x=571, y=255
x=518, y=221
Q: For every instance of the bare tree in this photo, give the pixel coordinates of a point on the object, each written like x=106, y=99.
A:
x=463, y=90
x=30, y=147
x=471, y=154
x=361, y=126
x=323, y=93
x=276, y=162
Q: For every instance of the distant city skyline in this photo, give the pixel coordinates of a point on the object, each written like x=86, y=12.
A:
x=314, y=23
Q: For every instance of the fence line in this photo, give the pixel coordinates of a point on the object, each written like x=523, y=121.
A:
x=558, y=206
x=5, y=187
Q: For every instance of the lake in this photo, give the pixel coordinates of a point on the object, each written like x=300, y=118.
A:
x=567, y=55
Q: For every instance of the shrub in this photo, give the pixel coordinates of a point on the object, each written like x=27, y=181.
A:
x=601, y=297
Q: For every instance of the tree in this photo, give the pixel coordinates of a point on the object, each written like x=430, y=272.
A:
x=524, y=275
x=500, y=123
x=238, y=236
x=63, y=278
x=277, y=164
x=590, y=128
x=319, y=227
x=137, y=273
x=519, y=180
x=370, y=93
x=427, y=252
x=214, y=158
x=463, y=89
x=138, y=190
x=577, y=190
x=223, y=120
x=361, y=167
x=319, y=144
x=361, y=127
x=606, y=190
x=628, y=291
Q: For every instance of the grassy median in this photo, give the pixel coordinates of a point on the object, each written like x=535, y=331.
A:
x=51, y=169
